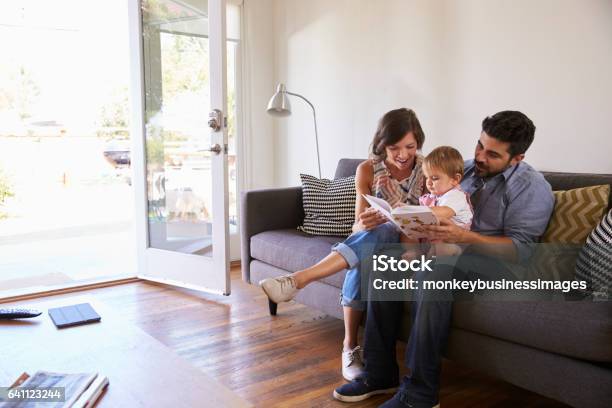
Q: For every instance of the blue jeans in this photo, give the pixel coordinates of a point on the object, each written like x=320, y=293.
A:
x=354, y=249
x=431, y=319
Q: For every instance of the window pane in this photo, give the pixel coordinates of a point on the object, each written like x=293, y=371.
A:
x=66, y=201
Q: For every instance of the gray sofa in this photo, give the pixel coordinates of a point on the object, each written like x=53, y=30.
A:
x=562, y=350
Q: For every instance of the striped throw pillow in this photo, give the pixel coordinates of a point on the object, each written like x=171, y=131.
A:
x=576, y=213
x=329, y=205
x=594, y=264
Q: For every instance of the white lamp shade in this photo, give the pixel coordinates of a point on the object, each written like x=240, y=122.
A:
x=279, y=104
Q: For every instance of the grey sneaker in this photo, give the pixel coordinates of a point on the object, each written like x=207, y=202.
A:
x=352, y=363
x=281, y=289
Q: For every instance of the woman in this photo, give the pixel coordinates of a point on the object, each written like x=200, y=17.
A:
x=393, y=172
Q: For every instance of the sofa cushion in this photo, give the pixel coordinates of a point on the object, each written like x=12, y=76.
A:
x=329, y=205
x=595, y=261
x=576, y=213
x=347, y=167
x=569, y=181
x=576, y=329
x=293, y=250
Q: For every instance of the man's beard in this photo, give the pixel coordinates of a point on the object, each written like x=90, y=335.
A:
x=484, y=172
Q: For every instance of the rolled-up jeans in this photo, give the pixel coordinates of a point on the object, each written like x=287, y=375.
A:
x=356, y=248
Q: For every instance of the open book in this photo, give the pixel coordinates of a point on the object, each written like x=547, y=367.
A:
x=409, y=218
x=81, y=390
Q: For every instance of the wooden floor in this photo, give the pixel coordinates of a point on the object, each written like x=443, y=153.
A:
x=291, y=360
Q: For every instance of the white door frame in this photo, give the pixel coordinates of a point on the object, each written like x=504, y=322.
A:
x=197, y=272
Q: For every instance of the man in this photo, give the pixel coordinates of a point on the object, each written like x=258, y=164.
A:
x=512, y=205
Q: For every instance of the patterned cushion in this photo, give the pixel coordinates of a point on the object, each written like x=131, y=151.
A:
x=576, y=213
x=594, y=264
x=329, y=205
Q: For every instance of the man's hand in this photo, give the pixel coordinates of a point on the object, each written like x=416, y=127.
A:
x=411, y=253
x=447, y=231
x=370, y=218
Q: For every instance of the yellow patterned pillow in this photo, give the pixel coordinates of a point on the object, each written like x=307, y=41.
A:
x=576, y=213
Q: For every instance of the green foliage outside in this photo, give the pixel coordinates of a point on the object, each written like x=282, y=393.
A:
x=114, y=115
x=156, y=10
x=185, y=65
x=18, y=90
x=155, y=152
x=5, y=191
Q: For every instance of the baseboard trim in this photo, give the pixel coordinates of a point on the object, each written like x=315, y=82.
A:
x=80, y=287
x=70, y=289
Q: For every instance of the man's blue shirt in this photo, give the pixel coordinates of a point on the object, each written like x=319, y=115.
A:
x=516, y=203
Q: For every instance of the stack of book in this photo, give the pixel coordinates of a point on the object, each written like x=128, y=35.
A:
x=79, y=390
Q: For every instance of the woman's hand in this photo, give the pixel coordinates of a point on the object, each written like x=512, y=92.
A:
x=369, y=219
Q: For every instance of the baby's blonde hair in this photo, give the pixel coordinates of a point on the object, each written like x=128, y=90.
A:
x=447, y=159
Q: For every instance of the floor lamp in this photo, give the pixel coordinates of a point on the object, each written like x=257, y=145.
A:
x=279, y=105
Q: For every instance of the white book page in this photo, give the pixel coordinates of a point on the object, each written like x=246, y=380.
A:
x=412, y=218
x=91, y=394
x=382, y=206
x=411, y=209
x=409, y=219
x=379, y=204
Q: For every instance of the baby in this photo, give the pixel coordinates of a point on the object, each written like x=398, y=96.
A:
x=443, y=170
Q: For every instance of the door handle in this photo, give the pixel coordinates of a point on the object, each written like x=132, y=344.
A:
x=216, y=149
x=215, y=120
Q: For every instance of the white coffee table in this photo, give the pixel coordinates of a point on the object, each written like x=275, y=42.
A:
x=142, y=372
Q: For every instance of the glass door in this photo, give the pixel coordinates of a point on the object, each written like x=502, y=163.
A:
x=178, y=52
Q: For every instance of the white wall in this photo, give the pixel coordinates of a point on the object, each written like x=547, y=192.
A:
x=354, y=63
x=454, y=62
x=258, y=84
x=551, y=59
